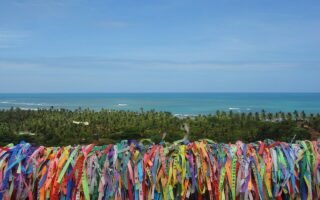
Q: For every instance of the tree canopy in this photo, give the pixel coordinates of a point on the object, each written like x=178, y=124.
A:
x=53, y=127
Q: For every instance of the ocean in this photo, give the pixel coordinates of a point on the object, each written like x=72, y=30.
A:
x=177, y=103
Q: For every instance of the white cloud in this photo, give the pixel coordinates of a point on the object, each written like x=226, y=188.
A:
x=86, y=63
x=11, y=39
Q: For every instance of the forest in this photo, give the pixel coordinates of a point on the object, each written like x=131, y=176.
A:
x=55, y=127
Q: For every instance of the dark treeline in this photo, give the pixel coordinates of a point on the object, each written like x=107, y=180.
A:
x=54, y=127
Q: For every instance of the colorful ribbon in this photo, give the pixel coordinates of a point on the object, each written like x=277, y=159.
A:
x=182, y=170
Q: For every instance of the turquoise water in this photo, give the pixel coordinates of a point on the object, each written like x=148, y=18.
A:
x=176, y=103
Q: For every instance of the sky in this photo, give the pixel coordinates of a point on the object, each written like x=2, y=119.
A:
x=159, y=46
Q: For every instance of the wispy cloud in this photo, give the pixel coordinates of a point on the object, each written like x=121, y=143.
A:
x=86, y=63
x=38, y=3
x=19, y=65
x=112, y=24
x=11, y=39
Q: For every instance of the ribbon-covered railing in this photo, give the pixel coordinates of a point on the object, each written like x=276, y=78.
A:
x=182, y=170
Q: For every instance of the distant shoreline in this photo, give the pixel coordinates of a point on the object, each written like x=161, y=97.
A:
x=235, y=111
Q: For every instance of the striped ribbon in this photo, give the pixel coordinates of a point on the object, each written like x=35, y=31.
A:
x=183, y=170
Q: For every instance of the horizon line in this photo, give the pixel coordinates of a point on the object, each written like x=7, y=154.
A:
x=165, y=92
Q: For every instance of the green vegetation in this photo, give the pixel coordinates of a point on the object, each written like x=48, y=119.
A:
x=55, y=127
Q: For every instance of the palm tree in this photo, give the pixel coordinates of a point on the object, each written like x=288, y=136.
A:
x=218, y=113
x=256, y=116
x=270, y=116
x=243, y=116
x=303, y=115
x=296, y=115
x=283, y=116
x=249, y=116
x=277, y=115
x=263, y=114
x=230, y=114
x=289, y=116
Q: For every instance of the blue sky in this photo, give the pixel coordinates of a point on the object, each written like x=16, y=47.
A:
x=159, y=46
